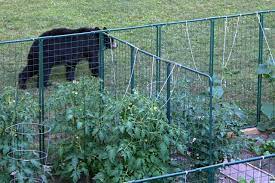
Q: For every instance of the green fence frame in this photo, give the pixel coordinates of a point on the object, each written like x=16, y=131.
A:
x=132, y=47
x=212, y=33
x=159, y=60
x=168, y=71
x=204, y=169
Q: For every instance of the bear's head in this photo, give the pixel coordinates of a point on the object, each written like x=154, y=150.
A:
x=109, y=42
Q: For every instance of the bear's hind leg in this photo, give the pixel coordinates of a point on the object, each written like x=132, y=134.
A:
x=47, y=73
x=94, y=66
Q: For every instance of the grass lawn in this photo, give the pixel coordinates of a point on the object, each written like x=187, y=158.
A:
x=188, y=44
x=29, y=18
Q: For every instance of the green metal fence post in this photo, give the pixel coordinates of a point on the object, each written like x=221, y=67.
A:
x=41, y=98
x=212, y=42
x=158, y=53
x=132, y=73
x=101, y=69
x=211, y=175
x=260, y=61
x=101, y=60
x=168, y=91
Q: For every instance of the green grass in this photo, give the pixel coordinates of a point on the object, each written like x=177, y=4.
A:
x=28, y=18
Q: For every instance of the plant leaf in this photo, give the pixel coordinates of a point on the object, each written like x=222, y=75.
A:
x=69, y=114
x=79, y=125
x=263, y=69
x=218, y=92
x=74, y=162
x=268, y=110
x=216, y=80
x=112, y=154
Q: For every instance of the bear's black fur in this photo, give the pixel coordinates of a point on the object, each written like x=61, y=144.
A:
x=67, y=50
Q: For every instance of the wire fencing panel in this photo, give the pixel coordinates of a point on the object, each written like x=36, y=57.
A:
x=236, y=55
x=33, y=69
x=240, y=43
x=117, y=69
x=258, y=170
x=240, y=47
x=268, y=87
x=21, y=133
x=236, y=61
x=143, y=37
x=236, y=45
x=13, y=57
x=183, y=93
x=187, y=43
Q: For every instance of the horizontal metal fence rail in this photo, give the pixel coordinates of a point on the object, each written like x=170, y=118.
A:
x=204, y=169
x=149, y=25
x=164, y=60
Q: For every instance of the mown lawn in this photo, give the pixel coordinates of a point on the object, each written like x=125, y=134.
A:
x=28, y=18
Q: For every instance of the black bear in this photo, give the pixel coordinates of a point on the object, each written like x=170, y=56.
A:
x=67, y=50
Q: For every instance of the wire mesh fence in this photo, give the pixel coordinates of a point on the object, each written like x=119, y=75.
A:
x=213, y=57
x=257, y=169
x=154, y=77
x=124, y=70
x=239, y=42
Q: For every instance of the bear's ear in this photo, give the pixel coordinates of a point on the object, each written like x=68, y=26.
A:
x=97, y=28
x=104, y=28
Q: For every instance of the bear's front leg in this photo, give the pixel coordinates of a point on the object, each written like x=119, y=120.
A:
x=70, y=71
x=94, y=65
x=28, y=72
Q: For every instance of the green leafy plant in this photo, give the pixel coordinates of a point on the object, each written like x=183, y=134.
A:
x=243, y=180
x=201, y=146
x=260, y=146
x=16, y=107
x=227, y=121
x=268, y=72
x=140, y=143
x=76, y=106
x=112, y=139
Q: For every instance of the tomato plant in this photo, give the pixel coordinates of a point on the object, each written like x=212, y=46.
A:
x=111, y=139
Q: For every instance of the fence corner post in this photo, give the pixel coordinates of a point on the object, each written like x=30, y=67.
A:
x=41, y=95
x=158, y=53
x=101, y=60
x=211, y=175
